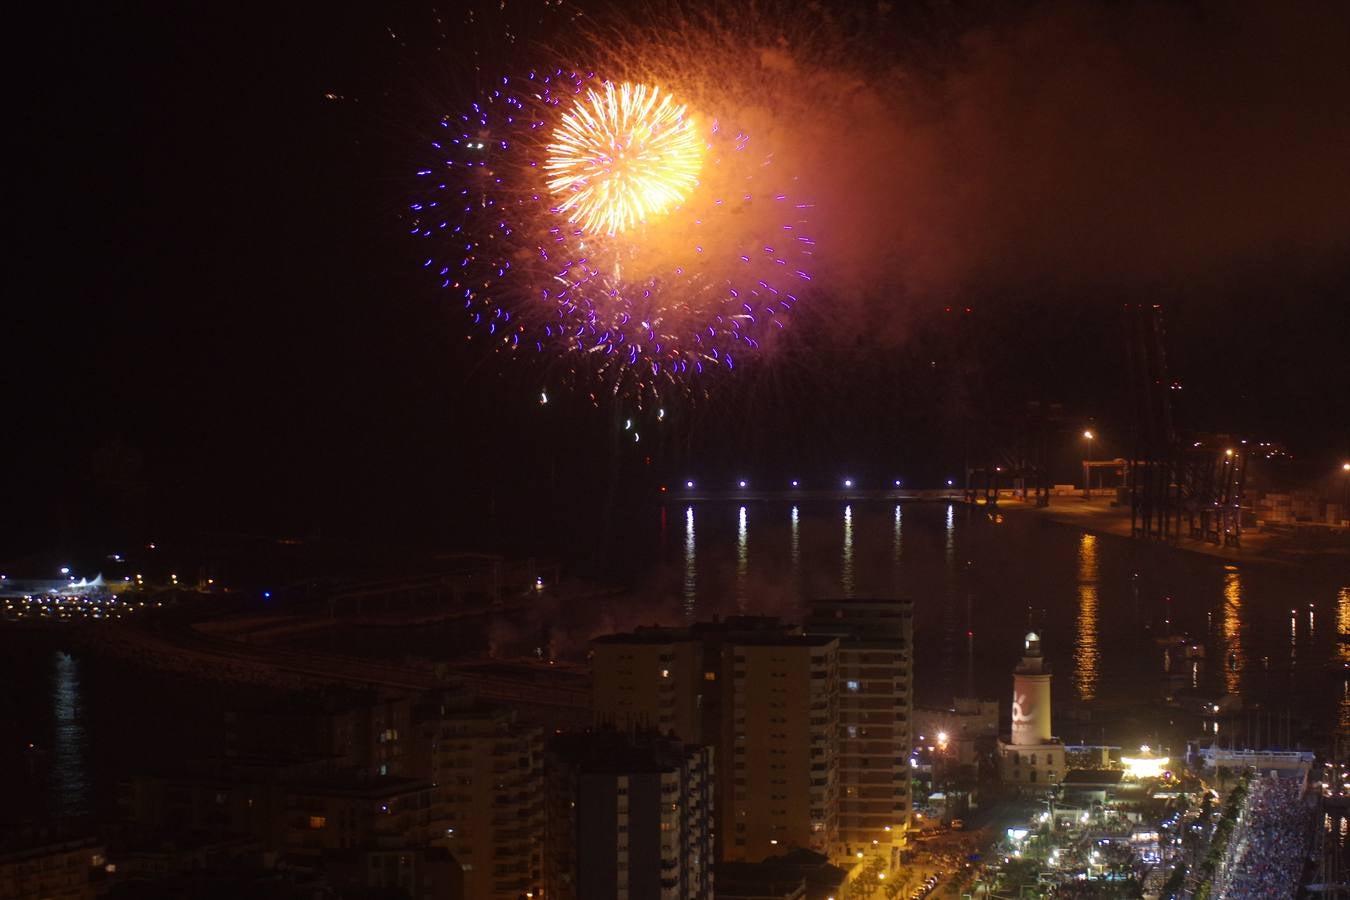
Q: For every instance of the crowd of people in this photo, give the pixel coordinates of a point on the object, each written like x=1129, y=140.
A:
x=1270, y=844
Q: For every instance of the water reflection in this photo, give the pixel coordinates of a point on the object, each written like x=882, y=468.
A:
x=1083, y=582
x=1232, y=629
x=1343, y=652
x=1293, y=640
x=950, y=545
x=70, y=779
x=690, y=564
x=1085, y=656
x=742, y=562
x=897, y=550
x=848, y=551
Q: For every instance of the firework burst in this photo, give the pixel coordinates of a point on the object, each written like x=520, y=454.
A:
x=625, y=153
x=622, y=236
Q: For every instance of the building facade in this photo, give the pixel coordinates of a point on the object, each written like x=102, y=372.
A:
x=650, y=678
x=876, y=705
x=630, y=816
x=764, y=696
x=967, y=723
x=354, y=729
x=61, y=870
x=489, y=768
x=783, y=765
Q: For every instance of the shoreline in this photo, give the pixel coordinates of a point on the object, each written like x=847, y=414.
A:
x=1258, y=547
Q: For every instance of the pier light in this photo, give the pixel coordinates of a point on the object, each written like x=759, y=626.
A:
x=741, y=483
x=1345, y=467
x=65, y=570
x=794, y=481
x=848, y=482
x=949, y=482
x=689, y=484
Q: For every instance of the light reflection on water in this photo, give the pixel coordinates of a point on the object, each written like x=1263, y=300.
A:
x=1100, y=600
x=847, y=574
x=1243, y=615
x=742, y=562
x=1343, y=655
x=1232, y=630
x=690, y=566
x=796, y=547
x=898, y=544
x=1085, y=650
x=70, y=765
x=951, y=534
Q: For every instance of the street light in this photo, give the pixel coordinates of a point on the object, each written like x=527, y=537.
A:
x=1087, y=467
x=1345, y=511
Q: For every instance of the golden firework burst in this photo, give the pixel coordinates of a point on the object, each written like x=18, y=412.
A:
x=621, y=155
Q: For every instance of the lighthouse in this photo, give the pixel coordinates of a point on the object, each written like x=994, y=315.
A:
x=1031, y=754
x=1031, y=696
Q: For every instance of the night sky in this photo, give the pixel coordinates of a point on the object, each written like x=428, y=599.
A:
x=214, y=323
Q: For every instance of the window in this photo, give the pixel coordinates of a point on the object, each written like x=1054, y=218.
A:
x=317, y=822
x=852, y=685
x=709, y=676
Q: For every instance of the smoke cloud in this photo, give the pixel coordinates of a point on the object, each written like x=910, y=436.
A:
x=1102, y=148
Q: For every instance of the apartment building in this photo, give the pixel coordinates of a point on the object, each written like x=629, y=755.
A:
x=876, y=705
x=628, y=815
x=489, y=768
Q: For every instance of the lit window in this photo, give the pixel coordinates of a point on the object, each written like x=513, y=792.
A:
x=317, y=822
x=709, y=676
x=852, y=685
